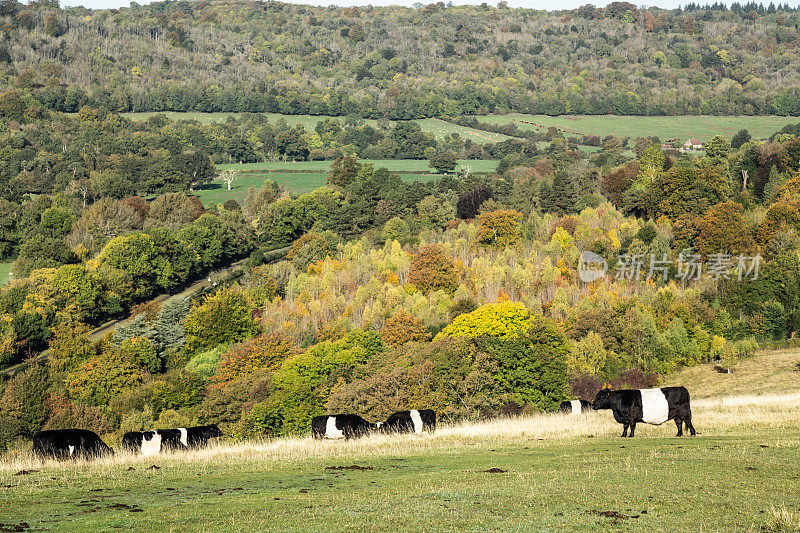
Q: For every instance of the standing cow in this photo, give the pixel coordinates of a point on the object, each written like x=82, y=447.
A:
x=198, y=436
x=574, y=407
x=153, y=442
x=340, y=426
x=413, y=421
x=65, y=444
x=651, y=406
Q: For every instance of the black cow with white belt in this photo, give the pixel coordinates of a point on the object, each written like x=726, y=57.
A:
x=574, y=407
x=412, y=421
x=65, y=444
x=651, y=406
x=344, y=426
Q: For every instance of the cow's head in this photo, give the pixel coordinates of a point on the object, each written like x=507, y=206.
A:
x=377, y=426
x=603, y=399
x=213, y=431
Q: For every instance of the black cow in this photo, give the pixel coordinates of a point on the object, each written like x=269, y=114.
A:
x=413, y=421
x=651, y=406
x=65, y=444
x=340, y=426
x=153, y=442
x=198, y=436
x=575, y=407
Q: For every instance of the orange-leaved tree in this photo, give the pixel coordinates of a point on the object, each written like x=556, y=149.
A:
x=432, y=269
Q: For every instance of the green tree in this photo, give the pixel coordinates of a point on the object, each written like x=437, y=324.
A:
x=223, y=317
x=444, y=162
x=344, y=171
x=718, y=148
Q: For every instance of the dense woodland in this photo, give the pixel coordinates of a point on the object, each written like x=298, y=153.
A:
x=399, y=63
x=372, y=293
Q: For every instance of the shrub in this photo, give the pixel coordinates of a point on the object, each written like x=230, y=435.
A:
x=585, y=386
x=531, y=367
x=587, y=355
x=266, y=351
x=462, y=306
x=403, y=328
x=504, y=319
x=636, y=379
x=142, y=352
x=224, y=404
x=432, y=269
x=223, y=317
x=67, y=414
x=24, y=403
x=205, y=364
x=103, y=377
x=70, y=345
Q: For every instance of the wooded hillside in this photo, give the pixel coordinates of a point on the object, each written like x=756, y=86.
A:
x=400, y=63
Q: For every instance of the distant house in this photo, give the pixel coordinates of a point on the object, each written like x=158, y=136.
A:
x=692, y=144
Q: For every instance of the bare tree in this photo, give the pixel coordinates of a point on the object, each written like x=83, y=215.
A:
x=228, y=176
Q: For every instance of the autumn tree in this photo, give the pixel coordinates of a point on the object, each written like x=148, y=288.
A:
x=499, y=228
x=223, y=317
x=724, y=230
x=344, y=171
x=403, y=328
x=432, y=269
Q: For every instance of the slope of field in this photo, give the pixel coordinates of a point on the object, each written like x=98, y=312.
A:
x=438, y=127
x=683, y=127
x=775, y=372
x=544, y=472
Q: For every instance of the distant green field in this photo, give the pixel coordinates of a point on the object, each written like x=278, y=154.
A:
x=305, y=176
x=395, y=165
x=681, y=127
x=439, y=128
x=5, y=269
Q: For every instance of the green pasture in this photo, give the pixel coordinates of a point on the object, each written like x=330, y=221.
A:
x=295, y=182
x=681, y=127
x=732, y=482
x=438, y=127
x=395, y=165
x=5, y=270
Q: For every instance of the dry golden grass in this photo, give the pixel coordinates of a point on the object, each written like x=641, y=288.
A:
x=774, y=372
x=712, y=417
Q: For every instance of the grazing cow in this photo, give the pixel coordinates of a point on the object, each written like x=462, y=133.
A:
x=651, y=406
x=153, y=442
x=198, y=436
x=69, y=443
x=413, y=421
x=575, y=407
x=340, y=426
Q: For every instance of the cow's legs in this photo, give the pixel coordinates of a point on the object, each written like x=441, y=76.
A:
x=686, y=414
x=624, y=430
x=679, y=423
x=633, y=428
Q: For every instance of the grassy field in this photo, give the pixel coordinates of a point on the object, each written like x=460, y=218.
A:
x=546, y=472
x=701, y=127
x=5, y=269
x=439, y=128
x=395, y=165
x=303, y=176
